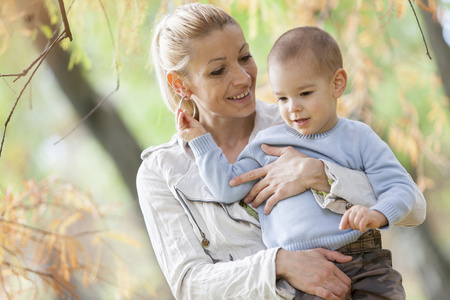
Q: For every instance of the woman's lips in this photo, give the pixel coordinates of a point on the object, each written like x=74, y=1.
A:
x=240, y=96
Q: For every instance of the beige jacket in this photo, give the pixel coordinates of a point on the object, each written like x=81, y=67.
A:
x=208, y=250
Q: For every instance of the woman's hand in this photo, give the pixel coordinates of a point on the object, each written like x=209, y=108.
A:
x=291, y=174
x=359, y=217
x=188, y=127
x=313, y=272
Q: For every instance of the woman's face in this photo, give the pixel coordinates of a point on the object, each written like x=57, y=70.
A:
x=222, y=74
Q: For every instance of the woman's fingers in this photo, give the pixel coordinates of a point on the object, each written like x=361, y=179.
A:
x=279, y=179
x=258, y=194
x=179, y=118
x=278, y=151
x=271, y=202
x=249, y=176
x=312, y=272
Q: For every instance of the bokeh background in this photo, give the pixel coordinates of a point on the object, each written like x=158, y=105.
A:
x=394, y=85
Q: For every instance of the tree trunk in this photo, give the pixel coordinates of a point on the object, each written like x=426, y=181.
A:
x=431, y=264
x=105, y=123
x=441, y=50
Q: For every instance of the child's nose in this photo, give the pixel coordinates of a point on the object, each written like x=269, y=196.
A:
x=295, y=106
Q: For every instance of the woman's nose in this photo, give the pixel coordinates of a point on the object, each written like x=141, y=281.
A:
x=241, y=76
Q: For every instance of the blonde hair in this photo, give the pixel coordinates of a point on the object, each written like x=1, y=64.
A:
x=301, y=42
x=170, y=48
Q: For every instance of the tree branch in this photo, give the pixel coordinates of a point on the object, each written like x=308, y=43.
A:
x=64, y=18
x=116, y=64
x=37, y=62
x=65, y=286
x=23, y=89
x=418, y=23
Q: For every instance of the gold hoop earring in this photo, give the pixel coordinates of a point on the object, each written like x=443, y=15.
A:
x=185, y=99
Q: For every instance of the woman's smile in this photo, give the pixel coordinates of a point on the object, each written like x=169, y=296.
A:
x=241, y=96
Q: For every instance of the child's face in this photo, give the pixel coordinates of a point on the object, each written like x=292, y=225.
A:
x=306, y=99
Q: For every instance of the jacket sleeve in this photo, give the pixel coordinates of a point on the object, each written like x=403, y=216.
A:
x=189, y=270
x=216, y=172
x=362, y=193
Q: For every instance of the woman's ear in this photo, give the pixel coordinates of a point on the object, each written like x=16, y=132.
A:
x=339, y=82
x=177, y=84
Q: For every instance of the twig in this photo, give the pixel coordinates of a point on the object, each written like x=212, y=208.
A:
x=24, y=227
x=100, y=103
x=65, y=34
x=88, y=115
x=387, y=14
x=64, y=18
x=32, y=228
x=60, y=38
x=418, y=23
x=6, y=82
x=27, y=69
x=59, y=25
x=66, y=286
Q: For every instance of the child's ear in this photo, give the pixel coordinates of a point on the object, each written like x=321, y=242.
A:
x=339, y=82
x=177, y=84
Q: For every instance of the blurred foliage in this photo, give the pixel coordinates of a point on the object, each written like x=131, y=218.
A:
x=393, y=86
x=52, y=232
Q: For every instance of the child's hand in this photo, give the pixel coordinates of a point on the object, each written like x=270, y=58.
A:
x=360, y=218
x=188, y=128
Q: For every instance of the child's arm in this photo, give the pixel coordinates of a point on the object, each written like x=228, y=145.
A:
x=214, y=168
x=216, y=172
x=188, y=127
x=359, y=217
x=393, y=186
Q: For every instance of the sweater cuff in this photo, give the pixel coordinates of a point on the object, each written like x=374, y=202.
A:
x=391, y=213
x=202, y=144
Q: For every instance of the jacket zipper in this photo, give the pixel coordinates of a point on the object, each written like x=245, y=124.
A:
x=205, y=241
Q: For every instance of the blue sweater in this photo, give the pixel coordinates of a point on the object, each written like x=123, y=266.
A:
x=298, y=223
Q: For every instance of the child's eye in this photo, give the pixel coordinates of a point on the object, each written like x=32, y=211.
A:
x=281, y=99
x=303, y=94
x=217, y=72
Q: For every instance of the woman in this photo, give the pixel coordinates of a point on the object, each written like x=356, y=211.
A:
x=208, y=250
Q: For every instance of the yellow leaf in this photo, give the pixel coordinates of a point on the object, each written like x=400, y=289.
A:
x=66, y=275
x=47, y=31
x=69, y=221
x=72, y=252
x=121, y=238
x=401, y=8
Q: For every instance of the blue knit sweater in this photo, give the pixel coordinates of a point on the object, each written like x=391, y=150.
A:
x=298, y=223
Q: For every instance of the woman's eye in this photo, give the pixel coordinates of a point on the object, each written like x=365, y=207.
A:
x=246, y=57
x=217, y=72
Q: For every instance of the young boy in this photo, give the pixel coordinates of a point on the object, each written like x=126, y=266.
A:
x=307, y=78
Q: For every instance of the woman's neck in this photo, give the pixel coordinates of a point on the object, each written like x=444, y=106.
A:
x=231, y=134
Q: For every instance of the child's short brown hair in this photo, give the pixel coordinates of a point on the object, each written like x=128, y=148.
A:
x=311, y=43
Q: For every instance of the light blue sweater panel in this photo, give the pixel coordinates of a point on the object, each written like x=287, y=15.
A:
x=298, y=223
